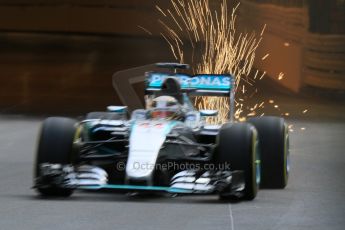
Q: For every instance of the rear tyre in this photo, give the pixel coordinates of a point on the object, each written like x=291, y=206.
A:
x=237, y=146
x=104, y=116
x=274, y=147
x=55, y=147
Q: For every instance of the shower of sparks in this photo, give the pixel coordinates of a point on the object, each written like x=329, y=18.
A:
x=216, y=48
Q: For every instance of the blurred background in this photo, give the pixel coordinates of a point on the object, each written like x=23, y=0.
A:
x=59, y=55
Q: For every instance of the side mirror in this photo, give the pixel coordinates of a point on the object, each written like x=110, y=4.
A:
x=193, y=119
x=117, y=109
x=208, y=113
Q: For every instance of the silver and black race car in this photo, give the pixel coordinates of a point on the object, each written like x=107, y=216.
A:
x=166, y=147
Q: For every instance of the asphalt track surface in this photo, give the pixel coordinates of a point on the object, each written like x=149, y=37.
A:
x=313, y=199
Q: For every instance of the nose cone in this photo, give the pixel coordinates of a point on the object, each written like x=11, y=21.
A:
x=146, y=140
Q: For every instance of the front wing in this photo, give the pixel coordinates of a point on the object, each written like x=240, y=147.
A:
x=185, y=182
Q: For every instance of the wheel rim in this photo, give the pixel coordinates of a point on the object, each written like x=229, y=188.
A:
x=287, y=151
x=257, y=163
x=256, y=160
x=286, y=155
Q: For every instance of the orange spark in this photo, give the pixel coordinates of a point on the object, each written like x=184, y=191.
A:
x=280, y=76
x=264, y=57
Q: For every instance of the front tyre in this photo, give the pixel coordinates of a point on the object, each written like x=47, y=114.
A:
x=237, y=146
x=274, y=149
x=55, y=147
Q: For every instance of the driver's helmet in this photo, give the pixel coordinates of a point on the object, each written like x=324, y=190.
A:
x=166, y=107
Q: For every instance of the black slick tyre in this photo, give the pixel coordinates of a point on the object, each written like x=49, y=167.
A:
x=274, y=148
x=55, y=147
x=237, y=146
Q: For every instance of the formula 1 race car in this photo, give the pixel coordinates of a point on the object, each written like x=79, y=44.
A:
x=166, y=147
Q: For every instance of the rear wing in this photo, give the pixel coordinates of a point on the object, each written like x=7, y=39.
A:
x=198, y=85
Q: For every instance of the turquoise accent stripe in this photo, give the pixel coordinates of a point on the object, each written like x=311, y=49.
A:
x=137, y=187
x=170, y=126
